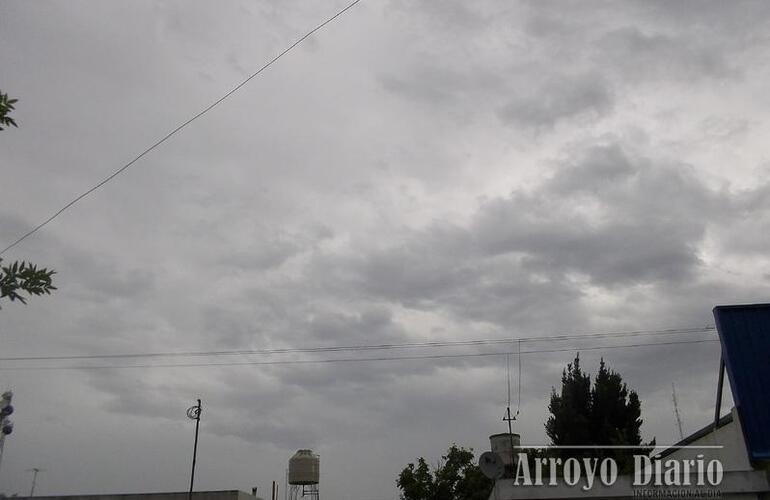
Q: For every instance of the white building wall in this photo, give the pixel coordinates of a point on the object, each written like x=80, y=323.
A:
x=733, y=454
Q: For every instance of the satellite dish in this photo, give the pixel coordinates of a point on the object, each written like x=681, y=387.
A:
x=491, y=465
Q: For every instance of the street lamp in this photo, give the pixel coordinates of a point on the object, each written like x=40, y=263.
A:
x=6, y=426
x=194, y=413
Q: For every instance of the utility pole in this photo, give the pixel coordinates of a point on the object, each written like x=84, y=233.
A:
x=508, y=417
x=34, y=471
x=676, y=411
x=194, y=413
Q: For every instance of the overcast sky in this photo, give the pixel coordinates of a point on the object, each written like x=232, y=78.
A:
x=417, y=171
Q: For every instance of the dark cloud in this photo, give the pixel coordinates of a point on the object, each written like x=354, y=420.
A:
x=618, y=220
x=372, y=323
x=641, y=55
x=606, y=216
x=266, y=248
x=424, y=171
x=741, y=20
x=452, y=16
x=441, y=86
x=543, y=104
x=267, y=255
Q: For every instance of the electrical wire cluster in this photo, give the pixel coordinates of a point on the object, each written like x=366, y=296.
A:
x=320, y=354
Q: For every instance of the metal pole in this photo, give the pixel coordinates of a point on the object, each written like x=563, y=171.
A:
x=720, y=384
x=34, y=470
x=676, y=412
x=2, y=446
x=512, y=470
x=6, y=426
x=194, y=412
x=508, y=416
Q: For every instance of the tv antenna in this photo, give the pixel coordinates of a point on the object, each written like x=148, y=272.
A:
x=34, y=471
x=676, y=411
x=508, y=417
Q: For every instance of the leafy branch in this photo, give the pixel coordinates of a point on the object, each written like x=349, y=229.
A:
x=6, y=106
x=24, y=277
x=21, y=276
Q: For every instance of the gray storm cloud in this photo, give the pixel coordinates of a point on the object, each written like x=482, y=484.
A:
x=419, y=171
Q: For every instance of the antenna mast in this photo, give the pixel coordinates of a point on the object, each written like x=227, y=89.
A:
x=676, y=411
x=34, y=472
x=508, y=417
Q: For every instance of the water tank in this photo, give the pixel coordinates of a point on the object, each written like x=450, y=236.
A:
x=501, y=444
x=303, y=468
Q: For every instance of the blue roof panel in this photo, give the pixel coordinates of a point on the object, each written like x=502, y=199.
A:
x=744, y=331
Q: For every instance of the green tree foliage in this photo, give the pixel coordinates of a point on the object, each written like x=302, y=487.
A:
x=607, y=413
x=457, y=477
x=22, y=277
x=6, y=106
x=571, y=409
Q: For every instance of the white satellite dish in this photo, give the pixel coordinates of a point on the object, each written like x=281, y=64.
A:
x=491, y=465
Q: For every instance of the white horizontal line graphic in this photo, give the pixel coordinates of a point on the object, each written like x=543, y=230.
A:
x=623, y=447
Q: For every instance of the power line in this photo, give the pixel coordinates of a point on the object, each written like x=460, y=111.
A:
x=374, y=347
x=177, y=129
x=353, y=360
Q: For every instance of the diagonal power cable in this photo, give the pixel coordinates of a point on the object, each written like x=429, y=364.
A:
x=176, y=130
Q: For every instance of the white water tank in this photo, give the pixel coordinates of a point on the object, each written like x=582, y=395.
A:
x=303, y=468
x=501, y=444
